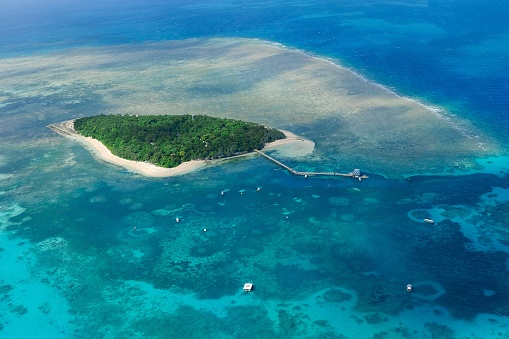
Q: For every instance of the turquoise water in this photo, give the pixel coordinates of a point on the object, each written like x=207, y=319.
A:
x=90, y=250
x=107, y=258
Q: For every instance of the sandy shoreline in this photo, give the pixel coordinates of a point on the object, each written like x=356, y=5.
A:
x=291, y=146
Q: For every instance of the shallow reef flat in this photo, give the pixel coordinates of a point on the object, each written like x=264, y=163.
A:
x=354, y=122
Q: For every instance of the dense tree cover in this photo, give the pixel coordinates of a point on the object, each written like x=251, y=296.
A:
x=169, y=140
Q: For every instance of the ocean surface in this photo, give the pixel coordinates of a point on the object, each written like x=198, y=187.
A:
x=91, y=250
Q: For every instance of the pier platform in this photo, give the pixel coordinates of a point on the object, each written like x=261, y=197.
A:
x=355, y=174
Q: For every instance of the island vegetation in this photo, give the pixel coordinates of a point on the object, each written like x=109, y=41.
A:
x=169, y=140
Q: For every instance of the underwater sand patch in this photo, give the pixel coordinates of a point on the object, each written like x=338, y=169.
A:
x=136, y=206
x=369, y=200
x=125, y=201
x=98, y=198
x=285, y=211
x=295, y=149
x=137, y=254
x=4, y=176
x=6, y=213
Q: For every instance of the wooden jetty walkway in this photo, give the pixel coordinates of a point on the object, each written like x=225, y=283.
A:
x=356, y=173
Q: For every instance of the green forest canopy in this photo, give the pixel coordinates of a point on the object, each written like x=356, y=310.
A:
x=169, y=140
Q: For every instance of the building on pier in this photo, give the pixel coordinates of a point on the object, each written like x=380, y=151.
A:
x=356, y=173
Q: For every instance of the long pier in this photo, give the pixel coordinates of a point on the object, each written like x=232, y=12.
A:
x=355, y=174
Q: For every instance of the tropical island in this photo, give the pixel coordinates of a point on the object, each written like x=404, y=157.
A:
x=165, y=145
x=170, y=140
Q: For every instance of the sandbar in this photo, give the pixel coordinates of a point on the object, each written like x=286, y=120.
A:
x=292, y=146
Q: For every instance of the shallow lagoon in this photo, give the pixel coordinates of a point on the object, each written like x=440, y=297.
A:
x=328, y=257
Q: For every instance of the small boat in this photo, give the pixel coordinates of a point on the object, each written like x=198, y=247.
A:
x=429, y=221
x=222, y=193
x=177, y=220
x=248, y=287
x=409, y=288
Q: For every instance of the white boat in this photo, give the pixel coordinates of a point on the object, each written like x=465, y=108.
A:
x=409, y=288
x=429, y=221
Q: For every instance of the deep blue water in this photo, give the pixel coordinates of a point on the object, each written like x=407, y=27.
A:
x=449, y=53
x=363, y=242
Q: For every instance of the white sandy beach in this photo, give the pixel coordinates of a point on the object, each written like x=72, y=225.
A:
x=291, y=146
